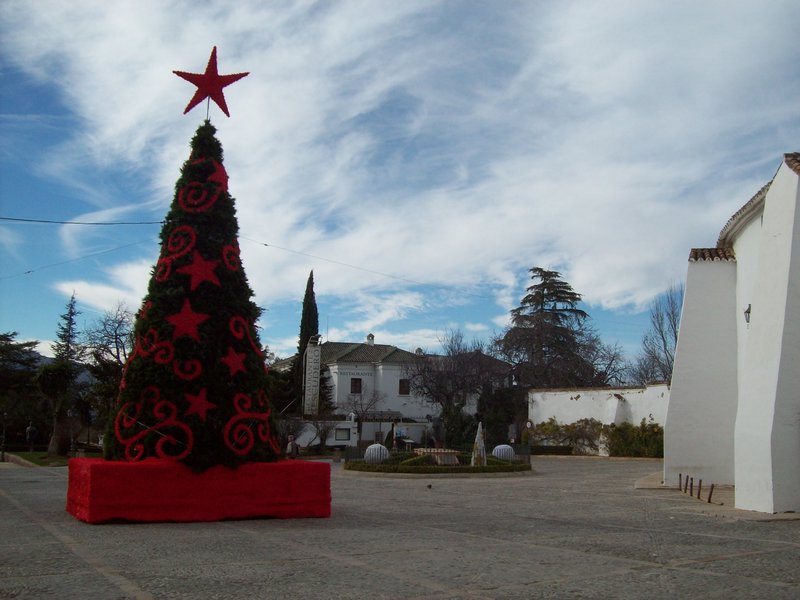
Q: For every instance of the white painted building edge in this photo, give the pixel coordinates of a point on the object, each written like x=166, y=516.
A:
x=734, y=404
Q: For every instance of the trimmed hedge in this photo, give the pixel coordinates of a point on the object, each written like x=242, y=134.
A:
x=498, y=467
x=550, y=450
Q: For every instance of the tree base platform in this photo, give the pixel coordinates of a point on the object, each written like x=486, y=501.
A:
x=155, y=490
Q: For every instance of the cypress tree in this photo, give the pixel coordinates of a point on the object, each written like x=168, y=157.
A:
x=309, y=326
x=194, y=388
x=309, y=322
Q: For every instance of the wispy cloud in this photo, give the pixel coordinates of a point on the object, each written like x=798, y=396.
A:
x=453, y=145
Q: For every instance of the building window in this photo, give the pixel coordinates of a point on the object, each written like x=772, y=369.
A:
x=404, y=389
x=342, y=435
x=355, y=385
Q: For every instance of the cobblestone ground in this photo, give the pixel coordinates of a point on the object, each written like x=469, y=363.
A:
x=576, y=528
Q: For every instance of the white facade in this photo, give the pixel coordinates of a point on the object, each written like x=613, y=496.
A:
x=607, y=405
x=734, y=415
x=702, y=410
x=361, y=372
x=381, y=378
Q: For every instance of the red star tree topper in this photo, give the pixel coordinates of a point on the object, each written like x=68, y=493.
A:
x=194, y=388
x=210, y=84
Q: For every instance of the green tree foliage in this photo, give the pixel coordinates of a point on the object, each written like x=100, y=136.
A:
x=309, y=321
x=626, y=439
x=550, y=342
x=58, y=380
x=194, y=387
x=497, y=409
x=19, y=397
x=309, y=327
x=67, y=347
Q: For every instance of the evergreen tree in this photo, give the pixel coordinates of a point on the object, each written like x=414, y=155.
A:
x=545, y=339
x=194, y=388
x=309, y=327
x=309, y=321
x=57, y=380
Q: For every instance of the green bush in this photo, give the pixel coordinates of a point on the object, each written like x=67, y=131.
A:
x=418, y=461
x=625, y=439
x=552, y=450
x=434, y=469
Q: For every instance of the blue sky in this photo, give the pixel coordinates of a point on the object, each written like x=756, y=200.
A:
x=420, y=157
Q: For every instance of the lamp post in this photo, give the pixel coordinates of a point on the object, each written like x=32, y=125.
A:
x=3, y=440
x=71, y=414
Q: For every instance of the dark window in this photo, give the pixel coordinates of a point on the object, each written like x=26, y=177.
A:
x=405, y=387
x=355, y=385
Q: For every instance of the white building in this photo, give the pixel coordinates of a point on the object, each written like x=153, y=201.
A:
x=369, y=369
x=734, y=412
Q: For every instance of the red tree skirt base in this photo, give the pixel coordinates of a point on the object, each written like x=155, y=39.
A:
x=156, y=490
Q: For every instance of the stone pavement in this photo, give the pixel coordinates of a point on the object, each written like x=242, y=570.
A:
x=575, y=528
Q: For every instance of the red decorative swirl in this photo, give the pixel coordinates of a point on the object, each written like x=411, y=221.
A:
x=231, y=256
x=131, y=429
x=196, y=197
x=188, y=370
x=181, y=241
x=163, y=351
x=240, y=328
x=242, y=429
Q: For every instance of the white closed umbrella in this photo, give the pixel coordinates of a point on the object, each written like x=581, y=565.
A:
x=478, y=449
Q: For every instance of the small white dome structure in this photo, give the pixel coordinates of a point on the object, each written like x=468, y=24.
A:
x=376, y=454
x=503, y=452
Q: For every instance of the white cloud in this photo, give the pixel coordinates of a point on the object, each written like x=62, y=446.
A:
x=454, y=145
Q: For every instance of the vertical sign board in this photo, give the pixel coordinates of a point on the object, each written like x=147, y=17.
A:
x=311, y=369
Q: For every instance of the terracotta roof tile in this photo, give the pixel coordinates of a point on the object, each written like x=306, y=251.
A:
x=713, y=254
x=793, y=161
x=742, y=216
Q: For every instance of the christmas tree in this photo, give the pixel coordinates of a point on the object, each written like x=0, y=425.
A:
x=194, y=388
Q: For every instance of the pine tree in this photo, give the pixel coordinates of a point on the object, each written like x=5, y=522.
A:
x=544, y=340
x=194, y=388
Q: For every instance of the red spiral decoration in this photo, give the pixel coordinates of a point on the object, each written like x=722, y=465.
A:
x=240, y=328
x=188, y=370
x=181, y=241
x=131, y=431
x=231, y=256
x=242, y=429
x=163, y=351
x=196, y=197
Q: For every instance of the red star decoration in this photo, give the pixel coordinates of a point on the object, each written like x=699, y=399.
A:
x=209, y=84
x=186, y=322
x=200, y=270
x=198, y=404
x=235, y=361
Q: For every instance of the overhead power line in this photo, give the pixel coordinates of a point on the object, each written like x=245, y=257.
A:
x=64, y=262
x=53, y=222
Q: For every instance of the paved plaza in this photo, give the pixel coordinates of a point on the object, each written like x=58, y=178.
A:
x=575, y=528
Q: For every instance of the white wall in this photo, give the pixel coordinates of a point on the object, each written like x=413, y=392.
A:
x=607, y=405
x=699, y=432
x=768, y=424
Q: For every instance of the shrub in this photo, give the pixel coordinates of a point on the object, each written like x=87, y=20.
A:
x=582, y=437
x=625, y=439
x=418, y=461
x=434, y=469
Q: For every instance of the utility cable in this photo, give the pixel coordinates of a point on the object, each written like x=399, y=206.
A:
x=50, y=222
x=64, y=262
